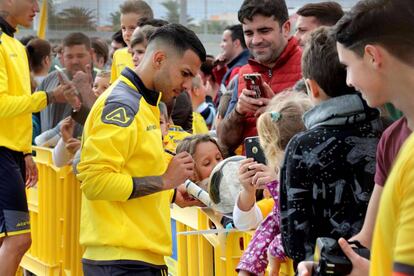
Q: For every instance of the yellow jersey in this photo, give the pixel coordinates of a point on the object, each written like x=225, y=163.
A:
x=121, y=59
x=199, y=124
x=393, y=242
x=122, y=140
x=17, y=103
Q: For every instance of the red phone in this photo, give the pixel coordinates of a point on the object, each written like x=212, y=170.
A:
x=254, y=82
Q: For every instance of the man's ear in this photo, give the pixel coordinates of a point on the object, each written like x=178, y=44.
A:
x=158, y=59
x=373, y=55
x=236, y=43
x=286, y=29
x=315, y=89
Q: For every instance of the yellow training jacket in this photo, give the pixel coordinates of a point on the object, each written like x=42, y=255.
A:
x=16, y=101
x=121, y=60
x=121, y=140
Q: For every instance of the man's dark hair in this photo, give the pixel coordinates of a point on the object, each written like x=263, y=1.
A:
x=179, y=38
x=388, y=23
x=137, y=6
x=153, y=22
x=327, y=13
x=237, y=34
x=117, y=37
x=37, y=49
x=275, y=8
x=73, y=39
x=26, y=39
x=320, y=62
x=207, y=67
x=100, y=47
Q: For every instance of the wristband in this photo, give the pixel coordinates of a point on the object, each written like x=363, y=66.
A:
x=50, y=97
x=174, y=195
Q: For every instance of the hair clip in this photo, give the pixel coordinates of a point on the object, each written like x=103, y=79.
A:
x=276, y=116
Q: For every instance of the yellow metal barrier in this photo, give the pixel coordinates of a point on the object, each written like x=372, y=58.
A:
x=54, y=207
x=205, y=254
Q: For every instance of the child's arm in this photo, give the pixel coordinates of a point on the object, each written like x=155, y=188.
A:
x=249, y=219
x=246, y=214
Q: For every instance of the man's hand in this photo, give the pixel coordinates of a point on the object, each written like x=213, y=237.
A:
x=267, y=95
x=83, y=83
x=180, y=169
x=72, y=97
x=72, y=145
x=183, y=199
x=305, y=268
x=360, y=265
x=66, y=129
x=247, y=102
x=31, y=171
x=58, y=94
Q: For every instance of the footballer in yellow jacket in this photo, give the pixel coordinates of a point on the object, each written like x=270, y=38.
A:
x=125, y=182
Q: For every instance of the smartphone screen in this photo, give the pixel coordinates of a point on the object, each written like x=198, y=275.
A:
x=254, y=150
x=254, y=82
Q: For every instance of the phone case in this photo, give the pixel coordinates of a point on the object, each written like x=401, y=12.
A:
x=254, y=82
x=254, y=150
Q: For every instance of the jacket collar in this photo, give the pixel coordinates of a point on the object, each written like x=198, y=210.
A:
x=342, y=110
x=151, y=96
x=242, y=56
x=6, y=27
x=290, y=49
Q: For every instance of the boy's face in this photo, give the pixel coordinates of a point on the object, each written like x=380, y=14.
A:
x=100, y=85
x=138, y=51
x=304, y=26
x=129, y=22
x=164, y=125
x=362, y=75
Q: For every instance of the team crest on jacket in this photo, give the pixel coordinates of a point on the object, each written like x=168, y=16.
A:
x=117, y=114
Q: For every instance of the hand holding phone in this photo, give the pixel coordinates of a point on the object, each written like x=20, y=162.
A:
x=254, y=82
x=254, y=150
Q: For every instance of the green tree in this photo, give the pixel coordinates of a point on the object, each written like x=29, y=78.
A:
x=52, y=18
x=115, y=18
x=213, y=27
x=173, y=12
x=77, y=18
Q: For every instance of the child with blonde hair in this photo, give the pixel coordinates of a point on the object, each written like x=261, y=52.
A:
x=276, y=126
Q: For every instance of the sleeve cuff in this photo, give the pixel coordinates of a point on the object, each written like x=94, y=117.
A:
x=245, y=220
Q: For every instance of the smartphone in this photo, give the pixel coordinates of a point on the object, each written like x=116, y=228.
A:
x=64, y=76
x=62, y=73
x=254, y=150
x=254, y=82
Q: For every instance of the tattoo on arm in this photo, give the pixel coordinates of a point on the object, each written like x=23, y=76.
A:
x=144, y=186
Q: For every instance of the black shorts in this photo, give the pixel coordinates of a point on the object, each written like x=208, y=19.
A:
x=14, y=213
x=122, y=268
